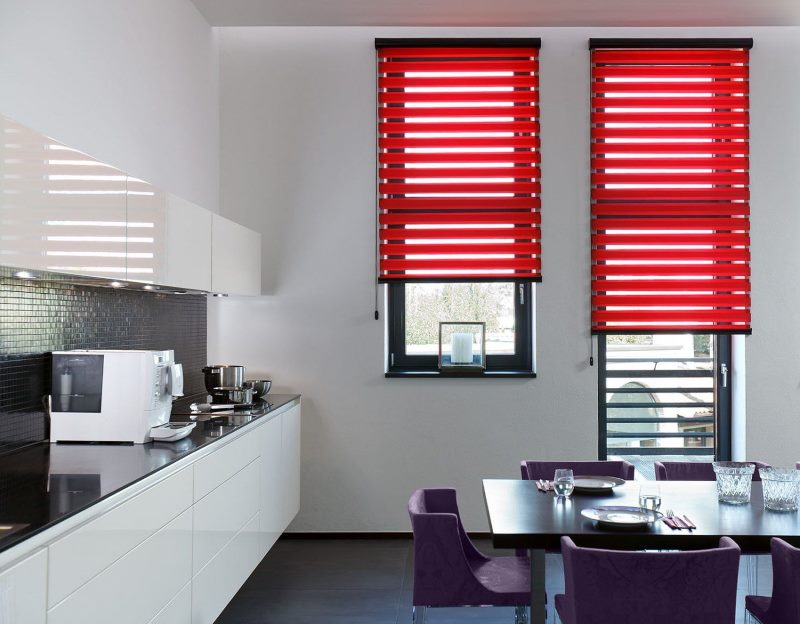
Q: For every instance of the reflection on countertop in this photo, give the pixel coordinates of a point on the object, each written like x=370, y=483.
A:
x=44, y=484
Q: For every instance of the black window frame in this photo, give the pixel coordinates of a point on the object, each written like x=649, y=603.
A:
x=520, y=364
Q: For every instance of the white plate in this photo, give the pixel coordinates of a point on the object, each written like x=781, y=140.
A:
x=618, y=516
x=591, y=483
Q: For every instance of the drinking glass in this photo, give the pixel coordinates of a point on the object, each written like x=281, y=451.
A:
x=563, y=482
x=650, y=495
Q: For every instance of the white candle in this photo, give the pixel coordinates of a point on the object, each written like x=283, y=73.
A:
x=461, y=349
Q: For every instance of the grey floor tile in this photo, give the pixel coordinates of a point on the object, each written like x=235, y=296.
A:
x=484, y=615
x=284, y=606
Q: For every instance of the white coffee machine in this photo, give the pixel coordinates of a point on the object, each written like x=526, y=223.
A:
x=112, y=395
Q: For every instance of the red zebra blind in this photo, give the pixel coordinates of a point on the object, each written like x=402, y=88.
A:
x=670, y=190
x=458, y=161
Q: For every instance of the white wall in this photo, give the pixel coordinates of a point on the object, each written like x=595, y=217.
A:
x=298, y=164
x=134, y=84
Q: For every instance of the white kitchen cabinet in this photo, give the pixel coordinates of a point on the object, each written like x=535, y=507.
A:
x=23, y=591
x=139, y=585
x=220, y=515
x=178, y=611
x=217, y=467
x=290, y=463
x=270, y=486
x=82, y=554
x=235, y=258
x=60, y=210
x=215, y=585
x=188, y=236
x=146, y=227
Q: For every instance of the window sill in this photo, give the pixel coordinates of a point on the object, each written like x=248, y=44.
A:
x=435, y=374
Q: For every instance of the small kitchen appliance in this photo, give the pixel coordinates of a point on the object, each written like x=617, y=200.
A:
x=112, y=395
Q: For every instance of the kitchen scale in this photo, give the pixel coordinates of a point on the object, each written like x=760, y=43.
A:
x=172, y=431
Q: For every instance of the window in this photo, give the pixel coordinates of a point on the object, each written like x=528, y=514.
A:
x=670, y=242
x=458, y=195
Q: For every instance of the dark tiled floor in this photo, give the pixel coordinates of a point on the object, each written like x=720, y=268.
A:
x=369, y=581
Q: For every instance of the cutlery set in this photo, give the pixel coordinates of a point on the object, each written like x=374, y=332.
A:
x=676, y=522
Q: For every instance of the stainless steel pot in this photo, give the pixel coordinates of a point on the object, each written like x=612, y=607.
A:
x=223, y=376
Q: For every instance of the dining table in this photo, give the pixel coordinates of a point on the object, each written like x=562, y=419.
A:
x=521, y=516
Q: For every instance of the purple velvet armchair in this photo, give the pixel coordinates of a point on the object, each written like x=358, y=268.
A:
x=783, y=606
x=536, y=470
x=620, y=587
x=449, y=571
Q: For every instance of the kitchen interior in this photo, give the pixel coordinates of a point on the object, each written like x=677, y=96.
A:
x=187, y=256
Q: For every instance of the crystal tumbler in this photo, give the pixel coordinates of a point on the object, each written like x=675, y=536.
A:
x=781, y=487
x=733, y=481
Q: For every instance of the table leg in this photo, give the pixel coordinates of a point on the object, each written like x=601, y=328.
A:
x=538, y=606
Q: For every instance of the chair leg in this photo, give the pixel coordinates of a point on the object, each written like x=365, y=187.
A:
x=417, y=615
x=752, y=574
x=521, y=614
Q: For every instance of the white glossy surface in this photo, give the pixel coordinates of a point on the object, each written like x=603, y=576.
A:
x=219, y=466
x=221, y=578
x=290, y=463
x=147, y=232
x=135, y=588
x=23, y=589
x=270, y=484
x=79, y=556
x=188, y=245
x=60, y=210
x=179, y=610
x=235, y=258
x=223, y=512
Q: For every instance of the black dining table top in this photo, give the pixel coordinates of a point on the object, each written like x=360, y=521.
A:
x=520, y=516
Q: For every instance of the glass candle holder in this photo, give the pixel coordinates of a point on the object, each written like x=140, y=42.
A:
x=781, y=488
x=734, y=481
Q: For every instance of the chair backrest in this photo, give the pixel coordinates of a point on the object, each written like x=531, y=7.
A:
x=785, y=603
x=443, y=552
x=694, y=471
x=536, y=470
x=608, y=586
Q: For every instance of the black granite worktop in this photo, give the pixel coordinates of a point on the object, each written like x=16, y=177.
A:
x=46, y=483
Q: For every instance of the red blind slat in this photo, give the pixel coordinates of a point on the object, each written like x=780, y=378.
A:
x=670, y=190
x=458, y=163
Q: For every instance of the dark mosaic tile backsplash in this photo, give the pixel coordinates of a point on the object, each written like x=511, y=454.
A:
x=40, y=316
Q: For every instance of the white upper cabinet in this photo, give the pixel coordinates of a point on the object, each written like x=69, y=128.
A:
x=188, y=236
x=235, y=258
x=60, y=210
x=146, y=228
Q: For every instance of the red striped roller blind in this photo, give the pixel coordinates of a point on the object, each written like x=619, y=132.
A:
x=458, y=162
x=670, y=190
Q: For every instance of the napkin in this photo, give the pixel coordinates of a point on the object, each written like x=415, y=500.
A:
x=544, y=486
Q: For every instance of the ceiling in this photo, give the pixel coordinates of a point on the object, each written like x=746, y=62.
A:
x=500, y=12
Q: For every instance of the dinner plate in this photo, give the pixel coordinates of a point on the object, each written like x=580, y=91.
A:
x=622, y=517
x=592, y=483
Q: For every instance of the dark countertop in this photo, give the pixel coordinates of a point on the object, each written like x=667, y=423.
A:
x=43, y=484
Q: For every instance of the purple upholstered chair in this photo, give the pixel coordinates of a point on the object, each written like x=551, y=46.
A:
x=449, y=571
x=784, y=605
x=694, y=471
x=536, y=470
x=611, y=587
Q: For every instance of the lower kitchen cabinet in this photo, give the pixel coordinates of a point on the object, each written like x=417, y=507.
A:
x=174, y=552
x=137, y=586
x=23, y=591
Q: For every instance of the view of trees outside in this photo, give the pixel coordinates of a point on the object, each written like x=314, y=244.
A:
x=429, y=304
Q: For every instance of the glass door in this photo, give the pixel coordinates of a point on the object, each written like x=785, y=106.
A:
x=664, y=396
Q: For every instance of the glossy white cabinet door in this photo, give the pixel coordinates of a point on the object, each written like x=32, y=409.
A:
x=235, y=258
x=214, y=469
x=139, y=585
x=221, y=578
x=60, y=210
x=220, y=515
x=23, y=591
x=146, y=212
x=188, y=245
x=87, y=551
x=178, y=611
x=290, y=460
x=271, y=488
